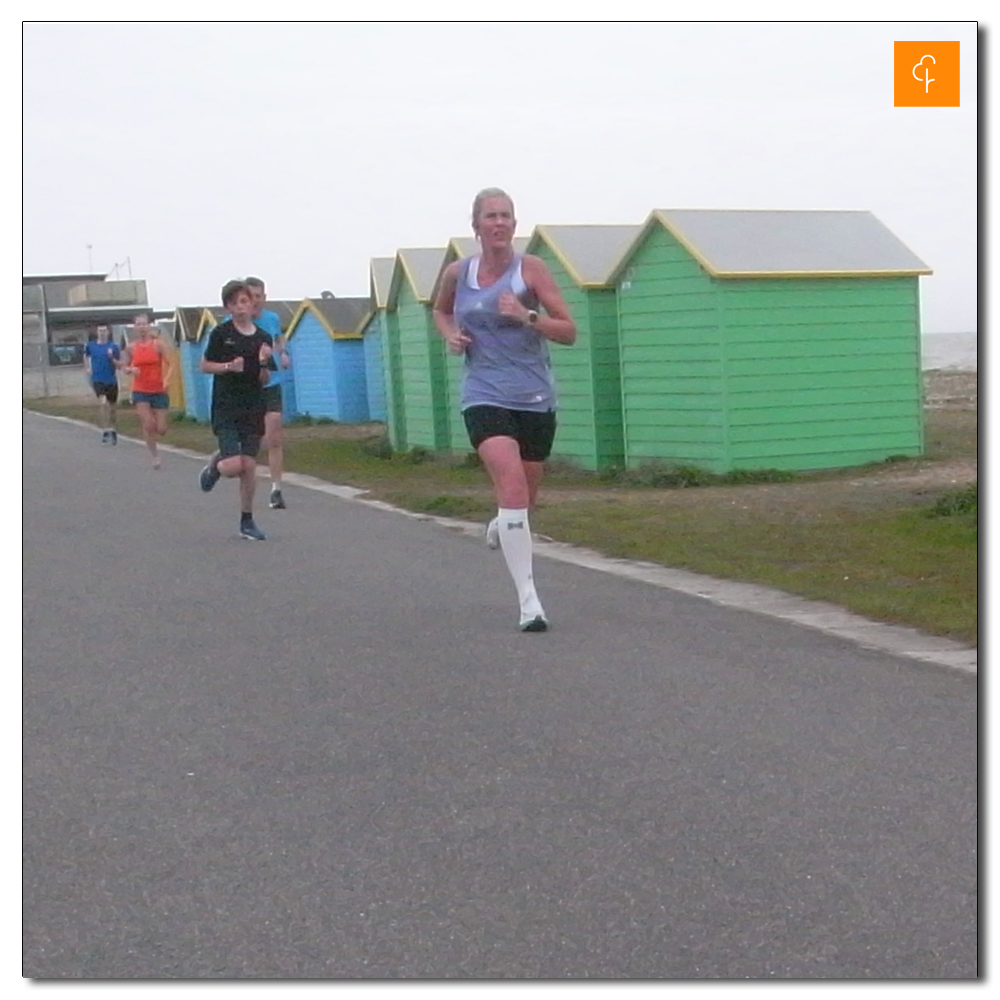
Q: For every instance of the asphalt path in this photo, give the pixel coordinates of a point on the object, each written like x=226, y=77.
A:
x=332, y=755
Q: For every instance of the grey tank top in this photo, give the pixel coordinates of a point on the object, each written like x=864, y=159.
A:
x=507, y=364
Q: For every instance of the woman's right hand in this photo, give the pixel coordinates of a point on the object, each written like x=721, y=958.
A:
x=457, y=341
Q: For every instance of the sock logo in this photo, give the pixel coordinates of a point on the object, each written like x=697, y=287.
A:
x=515, y=524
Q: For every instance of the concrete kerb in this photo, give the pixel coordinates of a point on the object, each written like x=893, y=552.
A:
x=820, y=615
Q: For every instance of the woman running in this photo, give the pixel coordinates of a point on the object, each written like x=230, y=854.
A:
x=489, y=309
x=147, y=361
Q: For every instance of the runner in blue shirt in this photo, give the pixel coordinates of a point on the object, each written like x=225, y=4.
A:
x=274, y=435
x=101, y=360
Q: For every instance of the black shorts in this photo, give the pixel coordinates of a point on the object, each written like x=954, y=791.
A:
x=534, y=432
x=238, y=433
x=272, y=398
x=109, y=390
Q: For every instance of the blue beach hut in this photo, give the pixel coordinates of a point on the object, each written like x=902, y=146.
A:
x=328, y=358
x=285, y=309
x=186, y=320
x=194, y=323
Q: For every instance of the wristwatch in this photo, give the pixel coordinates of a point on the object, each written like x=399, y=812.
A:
x=532, y=317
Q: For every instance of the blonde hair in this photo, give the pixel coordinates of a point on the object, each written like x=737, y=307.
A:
x=477, y=203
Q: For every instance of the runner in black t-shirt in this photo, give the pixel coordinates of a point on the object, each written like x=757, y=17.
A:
x=237, y=355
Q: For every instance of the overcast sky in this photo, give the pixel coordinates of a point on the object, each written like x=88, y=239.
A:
x=198, y=152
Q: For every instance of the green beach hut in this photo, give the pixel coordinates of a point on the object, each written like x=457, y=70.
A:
x=582, y=259
x=769, y=339
x=373, y=333
x=416, y=353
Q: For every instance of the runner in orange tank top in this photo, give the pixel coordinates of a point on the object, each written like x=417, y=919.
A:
x=147, y=361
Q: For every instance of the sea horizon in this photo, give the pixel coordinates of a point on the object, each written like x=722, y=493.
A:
x=950, y=352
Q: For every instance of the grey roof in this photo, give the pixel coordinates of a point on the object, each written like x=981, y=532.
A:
x=422, y=265
x=284, y=309
x=740, y=242
x=468, y=246
x=342, y=315
x=589, y=253
x=188, y=319
x=381, y=278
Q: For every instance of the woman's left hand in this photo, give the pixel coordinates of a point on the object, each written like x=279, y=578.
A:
x=510, y=306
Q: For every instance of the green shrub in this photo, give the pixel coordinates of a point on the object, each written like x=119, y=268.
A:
x=743, y=477
x=963, y=501
x=377, y=447
x=418, y=455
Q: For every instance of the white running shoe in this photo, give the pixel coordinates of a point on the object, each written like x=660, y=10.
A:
x=493, y=534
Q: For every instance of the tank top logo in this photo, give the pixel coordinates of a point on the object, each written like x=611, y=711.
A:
x=507, y=363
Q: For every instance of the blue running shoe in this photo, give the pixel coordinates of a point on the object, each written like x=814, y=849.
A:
x=250, y=530
x=114, y=437
x=209, y=476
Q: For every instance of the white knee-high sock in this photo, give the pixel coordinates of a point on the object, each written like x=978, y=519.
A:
x=515, y=541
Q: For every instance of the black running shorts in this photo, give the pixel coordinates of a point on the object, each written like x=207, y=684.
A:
x=272, y=398
x=238, y=433
x=534, y=432
x=109, y=390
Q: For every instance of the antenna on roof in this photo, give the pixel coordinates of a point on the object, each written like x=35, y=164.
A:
x=327, y=295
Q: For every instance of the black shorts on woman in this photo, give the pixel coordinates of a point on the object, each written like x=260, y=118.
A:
x=534, y=432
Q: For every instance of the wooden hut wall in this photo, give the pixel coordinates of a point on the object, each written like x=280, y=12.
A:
x=329, y=371
x=352, y=388
x=587, y=375
x=454, y=372
x=374, y=336
x=793, y=373
x=395, y=403
x=671, y=357
x=821, y=372
x=196, y=403
x=175, y=386
x=424, y=377
x=197, y=384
